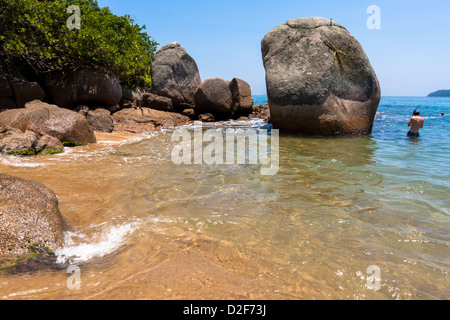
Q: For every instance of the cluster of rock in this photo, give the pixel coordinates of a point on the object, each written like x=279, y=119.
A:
x=90, y=100
x=177, y=87
x=42, y=128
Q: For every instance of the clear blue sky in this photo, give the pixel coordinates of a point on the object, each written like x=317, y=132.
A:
x=410, y=53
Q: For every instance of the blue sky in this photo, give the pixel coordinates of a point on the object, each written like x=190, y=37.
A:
x=410, y=53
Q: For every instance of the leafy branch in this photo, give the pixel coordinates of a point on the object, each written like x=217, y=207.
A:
x=34, y=35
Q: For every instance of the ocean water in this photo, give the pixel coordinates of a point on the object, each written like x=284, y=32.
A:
x=140, y=227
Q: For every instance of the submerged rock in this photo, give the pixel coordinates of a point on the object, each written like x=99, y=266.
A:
x=45, y=119
x=30, y=219
x=175, y=75
x=319, y=79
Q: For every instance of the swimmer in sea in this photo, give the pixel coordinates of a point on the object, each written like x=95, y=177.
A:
x=416, y=123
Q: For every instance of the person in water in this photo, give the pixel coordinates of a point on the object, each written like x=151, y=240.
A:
x=442, y=114
x=416, y=123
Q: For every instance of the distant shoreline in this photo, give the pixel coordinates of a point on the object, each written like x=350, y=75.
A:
x=440, y=94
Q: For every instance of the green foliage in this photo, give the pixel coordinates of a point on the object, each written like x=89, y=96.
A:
x=34, y=33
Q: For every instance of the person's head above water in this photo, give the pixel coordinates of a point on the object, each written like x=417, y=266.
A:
x=442, y=113
x=416, y=113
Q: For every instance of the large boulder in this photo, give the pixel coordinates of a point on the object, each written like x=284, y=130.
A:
x=319, y=79
x=175, y=75
x=144, y=119
x=24, y=91
x=99, y=119
x=14, y=141
x=214, y=96
x=15, y=91
x=5, y=87
x=135, y=94
x=84, y=87
x=242, y=98
x=29, y=217
x=45, y=119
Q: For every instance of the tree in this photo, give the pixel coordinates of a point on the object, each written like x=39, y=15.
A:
x=34, y=35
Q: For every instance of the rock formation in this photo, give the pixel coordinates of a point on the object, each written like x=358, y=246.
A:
x=319, y=79
x=175, y=75
x=242, y=104
x=82, y=87
x=45, y=119
x=214, y=96
x=140, y=120
x=29, y=217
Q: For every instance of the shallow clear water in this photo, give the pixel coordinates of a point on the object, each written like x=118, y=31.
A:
x=141, y=227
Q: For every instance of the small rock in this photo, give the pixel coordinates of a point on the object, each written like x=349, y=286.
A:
x=206, y=117
x=189, y=112
x=156, y=102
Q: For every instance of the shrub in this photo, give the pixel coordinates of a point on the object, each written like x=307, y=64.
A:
x=34, y=35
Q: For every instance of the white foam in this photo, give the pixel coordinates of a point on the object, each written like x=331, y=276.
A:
x=25, y=293
x=14, y=161
x=108, y=241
